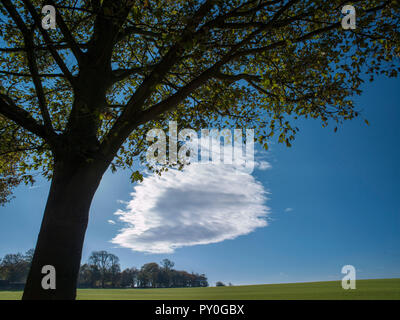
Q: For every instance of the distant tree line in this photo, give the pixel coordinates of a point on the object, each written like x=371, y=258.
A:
x=103, y=271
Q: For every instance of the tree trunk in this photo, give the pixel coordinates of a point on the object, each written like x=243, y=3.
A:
x=63, y=229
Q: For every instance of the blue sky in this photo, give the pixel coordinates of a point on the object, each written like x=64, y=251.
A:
x=333, y=199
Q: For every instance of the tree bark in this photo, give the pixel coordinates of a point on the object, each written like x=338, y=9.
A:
x=63, y=229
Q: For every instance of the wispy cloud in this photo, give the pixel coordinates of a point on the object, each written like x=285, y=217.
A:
x=111, y=221
x=203, y=204
x=289, y=209
x=263, y=165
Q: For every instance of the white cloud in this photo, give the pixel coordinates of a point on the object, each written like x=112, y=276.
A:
x=288, y=209
x=111, y=221
x=204, y=203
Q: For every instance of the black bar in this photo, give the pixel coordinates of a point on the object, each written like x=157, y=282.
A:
x=204, y=309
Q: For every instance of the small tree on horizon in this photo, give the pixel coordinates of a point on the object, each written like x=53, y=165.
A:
x=79, y=99
x=107, y=264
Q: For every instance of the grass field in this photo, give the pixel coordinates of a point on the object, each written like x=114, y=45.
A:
x=331, y=290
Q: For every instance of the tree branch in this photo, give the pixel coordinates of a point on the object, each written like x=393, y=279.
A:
x=24, y=119
x=121, y=74
x=42, y=75
x=132, y=116
x=32, y=65
x=304, y=37
x=237, y=77
x=135, y=30
x=125, y=123
x=44, y=48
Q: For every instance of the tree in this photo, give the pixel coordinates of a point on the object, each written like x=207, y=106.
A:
x=200, y=280
x=167, y=264
x=115, y=271
x=219, y=284
x=29, y=255
x=10, y=177
x=79, y=99
x=89, y=275
x=143, y=279
x=149, y=274
x=165, y=273
x=14, y=267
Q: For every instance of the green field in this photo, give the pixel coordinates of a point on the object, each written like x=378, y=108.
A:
x=366, y=289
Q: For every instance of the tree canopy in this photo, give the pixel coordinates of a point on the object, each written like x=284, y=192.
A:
x=15, y=267
x=113, y=69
